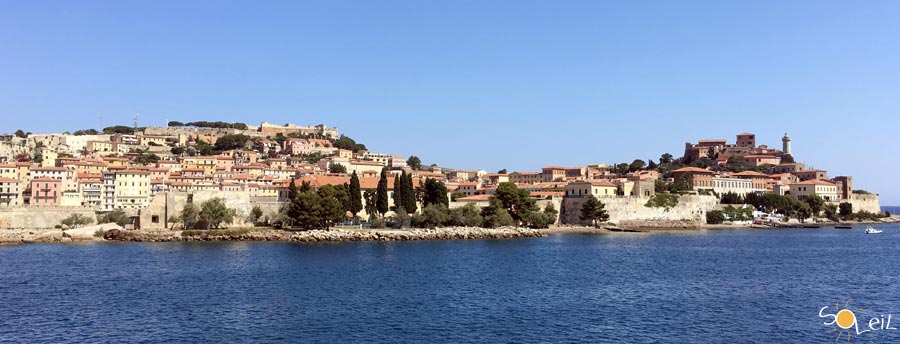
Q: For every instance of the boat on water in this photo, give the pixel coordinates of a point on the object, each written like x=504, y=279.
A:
x=844, y=227
x=870, y=230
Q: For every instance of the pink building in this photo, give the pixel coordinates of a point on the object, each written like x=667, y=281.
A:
x=46, y=191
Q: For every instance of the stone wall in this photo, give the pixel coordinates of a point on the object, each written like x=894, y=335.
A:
x=631, y=212
x=864, y=202
x=168, y=204
x=191, y=131
x=39, y=217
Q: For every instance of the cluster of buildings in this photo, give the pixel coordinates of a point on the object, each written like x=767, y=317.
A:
x=94, y=171
x=787, y=178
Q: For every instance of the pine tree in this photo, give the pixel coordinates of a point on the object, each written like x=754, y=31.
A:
x=381, y=194
x=355, y=195
x=435, y=193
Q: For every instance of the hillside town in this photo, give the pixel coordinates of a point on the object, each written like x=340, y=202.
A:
x=150, y=173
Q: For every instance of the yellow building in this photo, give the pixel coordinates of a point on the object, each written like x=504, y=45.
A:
x=152, y=140
x=596, y=188
x=207, y=163
x=825, y=189
x=132, y=189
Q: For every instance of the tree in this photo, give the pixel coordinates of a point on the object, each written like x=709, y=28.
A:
x=116, y=216
x=516, y=201
x=409, y=193
x=622, y=168
x=434, y=215
x=76, y=220
x=816, y=204
x=802, y=211
x=337, y=168
x=147, y=159
x=636, y=165
x=651, y=165
x=231, y=141
x=331, y=210
x=551, y=213
x=435, y=193
x=345, y=142
x=414, y=162
x=190, y=215
x=715, y=217
x=665, y=159
x=731, y=198
x=502, y=171
x=398, y=192
x=354, y=193
x=594, y=211
x=175, y=124
x=255, y=215
x=846, y=210
x=118, y=129
x=369, y=197
x=495, y=215
x=215, y=213
x=831, y=211
x=381, y=193
x=466, y=216
x=20, y=134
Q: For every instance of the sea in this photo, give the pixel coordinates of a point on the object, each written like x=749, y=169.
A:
x=708, y=286
x=891, y=209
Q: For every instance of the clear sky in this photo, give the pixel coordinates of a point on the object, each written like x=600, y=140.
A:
x=477, y=84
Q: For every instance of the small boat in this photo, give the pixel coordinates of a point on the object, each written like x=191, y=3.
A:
x=870, y=230
x=848, y=227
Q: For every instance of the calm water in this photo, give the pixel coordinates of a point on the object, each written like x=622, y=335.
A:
x=713, y=286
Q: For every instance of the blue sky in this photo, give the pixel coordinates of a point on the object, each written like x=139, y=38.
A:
x=476, y=84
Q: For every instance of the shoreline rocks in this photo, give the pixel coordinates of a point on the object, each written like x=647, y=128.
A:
x=334, y=235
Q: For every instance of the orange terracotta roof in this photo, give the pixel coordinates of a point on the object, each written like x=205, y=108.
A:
x=475, y=198
x=815, y=182
x=750, y=174
x=692, y=170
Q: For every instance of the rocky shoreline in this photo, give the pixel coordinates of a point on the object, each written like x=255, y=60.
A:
x=116, y=234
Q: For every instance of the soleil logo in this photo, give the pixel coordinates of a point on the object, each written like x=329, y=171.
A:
x=847, y=321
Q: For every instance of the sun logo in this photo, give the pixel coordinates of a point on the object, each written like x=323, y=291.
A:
x=845, y=319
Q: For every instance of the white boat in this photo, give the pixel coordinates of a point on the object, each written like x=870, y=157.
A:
x=870, y=230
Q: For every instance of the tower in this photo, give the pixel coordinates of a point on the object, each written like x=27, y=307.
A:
x=786, y=144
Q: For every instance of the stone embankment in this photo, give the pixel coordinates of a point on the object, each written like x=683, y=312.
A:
x=336, y=235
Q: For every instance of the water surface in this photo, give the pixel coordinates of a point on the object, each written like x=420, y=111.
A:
x=707, y=286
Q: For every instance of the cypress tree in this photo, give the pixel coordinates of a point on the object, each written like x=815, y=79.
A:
x=398, y=193
x=409, y=194
x=381, y=194
x=355, y=194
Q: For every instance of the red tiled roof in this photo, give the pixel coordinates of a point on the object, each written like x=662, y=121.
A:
x=692, y=170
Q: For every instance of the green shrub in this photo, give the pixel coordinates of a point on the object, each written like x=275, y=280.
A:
x=666, y=201
x=715, y=217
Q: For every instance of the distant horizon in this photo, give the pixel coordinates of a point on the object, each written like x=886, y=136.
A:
x=478, y=84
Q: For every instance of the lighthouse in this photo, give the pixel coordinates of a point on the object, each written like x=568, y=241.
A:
x=786, y=144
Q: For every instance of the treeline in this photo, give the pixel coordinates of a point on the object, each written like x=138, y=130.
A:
x=509, y=206
x=809, y=206
x=323, y=208
x=206, y=124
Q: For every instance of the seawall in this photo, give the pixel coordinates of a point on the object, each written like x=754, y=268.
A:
x=630, y=212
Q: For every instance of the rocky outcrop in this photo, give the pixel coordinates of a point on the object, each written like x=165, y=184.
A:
x=89, y=233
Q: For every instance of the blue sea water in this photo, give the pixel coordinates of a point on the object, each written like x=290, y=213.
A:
x=712, y=286
x=892, y=209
